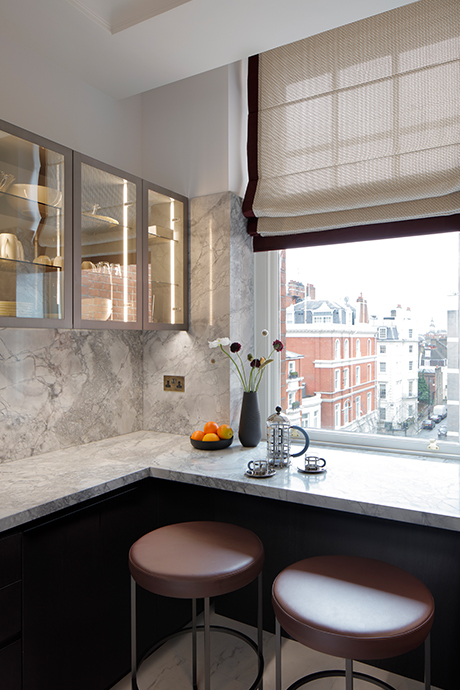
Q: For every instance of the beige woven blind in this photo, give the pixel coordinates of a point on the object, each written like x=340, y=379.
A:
x=361, y=124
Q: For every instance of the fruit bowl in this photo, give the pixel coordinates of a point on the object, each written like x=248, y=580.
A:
x=211, y=445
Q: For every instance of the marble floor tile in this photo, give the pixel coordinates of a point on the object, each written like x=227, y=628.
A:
x=234, y=665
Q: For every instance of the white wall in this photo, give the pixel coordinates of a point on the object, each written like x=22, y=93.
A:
x=193, y=133
x=39, y=96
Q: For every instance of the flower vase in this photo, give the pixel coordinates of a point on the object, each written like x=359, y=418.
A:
x=249, y=431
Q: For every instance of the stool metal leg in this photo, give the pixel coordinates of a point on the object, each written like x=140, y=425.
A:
x=133, y=636
x=427, y=664
x=260, y=627
x=194, y=650
x=207, y=647
x=278, y=656
x=348, y=674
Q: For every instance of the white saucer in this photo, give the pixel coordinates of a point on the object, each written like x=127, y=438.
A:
x=250, y=473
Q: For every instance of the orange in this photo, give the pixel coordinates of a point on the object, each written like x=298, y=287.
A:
x=225, y=431
x=210, y=428
x=210, y=437
x=197, y=435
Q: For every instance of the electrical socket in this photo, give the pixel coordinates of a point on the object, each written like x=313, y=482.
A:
x=174, y=383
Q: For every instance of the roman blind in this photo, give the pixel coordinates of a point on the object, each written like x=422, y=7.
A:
x=356, y=126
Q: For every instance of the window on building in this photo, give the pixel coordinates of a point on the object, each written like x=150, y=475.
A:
x=346, y=378
x=315, y=419
x=337, y=416
x=411, y=347
x=346, y=349
x=358, y=347
x=383, y=391
x=306, y=420
x=411, y=364
x=410, y=333
x=357, y=375
x=382, y=367
x=369, y=346
x=337, y=380
x=382, y=332
x=369, y=403
x=382, y=349
x=382, y=414
x=369, y=372
x=337, y=348
x=358, y=407
x=346, y=412
x=411, y=388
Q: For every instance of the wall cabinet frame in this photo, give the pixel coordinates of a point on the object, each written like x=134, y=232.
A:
x=35, y=230
x=86, y=245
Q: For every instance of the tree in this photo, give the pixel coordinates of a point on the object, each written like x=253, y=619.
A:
x=423, y=390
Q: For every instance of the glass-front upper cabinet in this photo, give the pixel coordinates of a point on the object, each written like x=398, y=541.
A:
x=165, y=259
x=107, y=246
x=35, y=230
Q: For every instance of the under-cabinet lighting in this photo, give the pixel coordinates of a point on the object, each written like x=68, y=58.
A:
x=125, y=250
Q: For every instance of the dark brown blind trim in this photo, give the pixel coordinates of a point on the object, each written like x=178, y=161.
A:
x=379, y=231
x=253, y=123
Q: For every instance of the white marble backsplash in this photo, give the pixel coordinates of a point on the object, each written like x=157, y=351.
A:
x=65, y=387
x=221, y=305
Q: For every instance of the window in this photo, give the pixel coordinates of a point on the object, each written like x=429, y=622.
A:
x=411, y=347
x=358, y=347
x=410, y=332
x=357, y=376
x=369, y=346
x=337, y=416
x=337, y=380
x=346, y=412
x=382, y=333
x=358, y=407
x=387, y=381
x=337, y=349
x=410, y=366
x=306, y=420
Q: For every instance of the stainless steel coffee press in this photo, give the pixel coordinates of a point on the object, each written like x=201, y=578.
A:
x=279, y=440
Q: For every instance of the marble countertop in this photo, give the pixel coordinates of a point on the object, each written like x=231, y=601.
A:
x=417, y=490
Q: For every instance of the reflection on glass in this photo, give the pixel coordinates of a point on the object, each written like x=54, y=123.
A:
x=31, y=229
x=108, y=247
x=165, y=259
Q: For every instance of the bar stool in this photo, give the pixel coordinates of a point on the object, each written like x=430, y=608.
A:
x=197, y=560
x=353, y=608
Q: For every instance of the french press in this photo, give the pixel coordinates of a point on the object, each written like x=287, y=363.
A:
x=279, y=440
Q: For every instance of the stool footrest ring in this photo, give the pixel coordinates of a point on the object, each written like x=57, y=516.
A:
x=333, y=673
x=214, y=628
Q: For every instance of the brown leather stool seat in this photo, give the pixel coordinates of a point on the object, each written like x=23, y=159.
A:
x=353, y=608
x=197, y=560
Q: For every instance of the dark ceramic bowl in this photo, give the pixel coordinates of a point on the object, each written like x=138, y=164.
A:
x=212, y=445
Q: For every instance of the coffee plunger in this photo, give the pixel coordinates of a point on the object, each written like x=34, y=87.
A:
x=279, y=440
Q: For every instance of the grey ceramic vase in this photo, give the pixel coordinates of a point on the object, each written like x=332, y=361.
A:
x=249, y=431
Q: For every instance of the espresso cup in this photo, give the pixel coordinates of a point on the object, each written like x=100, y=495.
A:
x=258, y=467
x=314, y=463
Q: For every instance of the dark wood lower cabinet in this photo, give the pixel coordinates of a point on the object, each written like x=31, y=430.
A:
x=75, y=579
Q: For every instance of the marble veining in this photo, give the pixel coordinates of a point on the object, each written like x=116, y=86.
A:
x=418, y=490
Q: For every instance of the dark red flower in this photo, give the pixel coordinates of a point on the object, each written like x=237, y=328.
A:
x=255, y=363
x=277, y=345
x=235, y=347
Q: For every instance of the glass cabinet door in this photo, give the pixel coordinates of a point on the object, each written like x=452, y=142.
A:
x=107, y=252
x=35, y=230
x=165, y=259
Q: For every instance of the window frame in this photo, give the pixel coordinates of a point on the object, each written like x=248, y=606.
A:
x=267, y=309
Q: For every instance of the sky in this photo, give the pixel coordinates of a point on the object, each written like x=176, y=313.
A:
x=416, y=272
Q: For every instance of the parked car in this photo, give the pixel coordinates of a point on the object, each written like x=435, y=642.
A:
x=428, y=424
x=436, y=418
x=442, y=431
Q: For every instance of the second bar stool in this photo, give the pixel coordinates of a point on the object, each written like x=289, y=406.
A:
x=197, y=560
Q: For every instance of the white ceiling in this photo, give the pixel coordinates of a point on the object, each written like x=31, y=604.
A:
x=126, y=47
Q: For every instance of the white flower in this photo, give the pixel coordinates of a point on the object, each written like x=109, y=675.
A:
x=219, y=341
x=265, y=332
